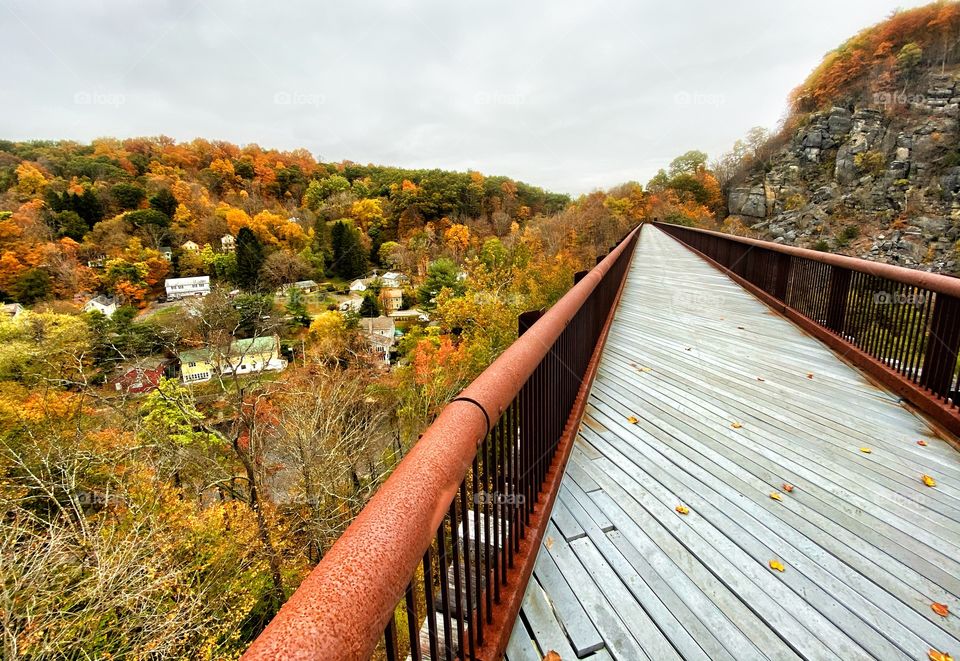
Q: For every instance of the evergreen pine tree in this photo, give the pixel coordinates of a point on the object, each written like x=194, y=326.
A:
x=249, y=258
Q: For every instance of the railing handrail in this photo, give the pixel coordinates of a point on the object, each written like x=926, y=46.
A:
x=935, y=282
x=341, y=608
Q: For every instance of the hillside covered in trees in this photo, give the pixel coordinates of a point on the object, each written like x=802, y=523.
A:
x=64, y=206
x=149, y=515
x=867, y=160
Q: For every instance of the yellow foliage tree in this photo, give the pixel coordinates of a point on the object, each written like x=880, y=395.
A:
x=31, y=182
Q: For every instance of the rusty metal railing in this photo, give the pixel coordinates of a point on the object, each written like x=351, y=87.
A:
x=900, y=325
x=436, y=564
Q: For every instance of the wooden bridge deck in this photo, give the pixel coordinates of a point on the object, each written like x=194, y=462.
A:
x=706, y=399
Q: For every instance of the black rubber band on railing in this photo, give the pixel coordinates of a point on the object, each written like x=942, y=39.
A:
x=470, y=400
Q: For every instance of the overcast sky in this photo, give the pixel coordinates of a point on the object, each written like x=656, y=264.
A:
x=571, y=96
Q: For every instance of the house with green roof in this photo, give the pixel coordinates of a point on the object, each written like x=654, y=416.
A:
x=243, y=356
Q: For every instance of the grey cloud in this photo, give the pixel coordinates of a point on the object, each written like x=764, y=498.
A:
x=570, y=96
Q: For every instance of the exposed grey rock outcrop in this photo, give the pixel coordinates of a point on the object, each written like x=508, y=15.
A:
x=880, y=179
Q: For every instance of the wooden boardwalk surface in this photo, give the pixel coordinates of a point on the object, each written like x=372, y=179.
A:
x=731, y=402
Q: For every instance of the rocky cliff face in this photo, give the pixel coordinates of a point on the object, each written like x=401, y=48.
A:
x=879, y=181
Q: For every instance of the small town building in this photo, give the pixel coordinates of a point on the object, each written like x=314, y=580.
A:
x=391, y=298
x=244, y=356
x=97, y=262
x=166, y=252
x=412, y=314
x=306, y=286
x=228, y=243
x=105, y=305
x=351, y=304
x=256, y=354
x=358, y=285
x=381, y=335
x=393, y=279
x=196, y=365
x=178, y=288
x=190, y=246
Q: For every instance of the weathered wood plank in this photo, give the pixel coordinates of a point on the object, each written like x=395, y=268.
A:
x=868, y=548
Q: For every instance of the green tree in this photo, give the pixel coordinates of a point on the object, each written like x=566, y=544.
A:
x=34, y=285
x=388, y=254
x=249, y=258
x=164, y=202
x=908, y=59
x=148, y=217
x=369, y=307
x=297, y=308
x=493, y=254
x=70, y=224
x=689, y=163
x=128, y=196
x=320, y=189
x=443, y=273
x=349, y=260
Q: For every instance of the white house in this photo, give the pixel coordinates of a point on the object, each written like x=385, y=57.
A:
x=178, y=288
x=393, y=279
x=380, y=333
x=228, y=243
x=358, y=285
x=166, y=252
x=190, y=246
x=106, y=305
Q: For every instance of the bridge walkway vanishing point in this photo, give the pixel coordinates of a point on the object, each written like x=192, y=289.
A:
x=706, y=399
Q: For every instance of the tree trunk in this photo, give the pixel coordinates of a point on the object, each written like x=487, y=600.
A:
x=263, y=531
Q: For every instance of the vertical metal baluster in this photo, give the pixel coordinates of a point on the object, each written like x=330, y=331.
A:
x=412, y=621
x=489, y=528
x=916, y=311
x=457, y=574
x=922, y=331
x=431, y=606
x=495, y=507
x=444, y=590
x=471, y=578
x=514, y=494
x=875, y=292
x=903, y=323
x=478, y=553
x=510, y=478
x=390, y=639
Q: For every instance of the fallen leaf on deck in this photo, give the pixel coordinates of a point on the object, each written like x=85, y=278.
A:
x=739, y=327
x=922, y=442
x=682, y=510
x=940, y=609
x=645, y=369
x=760, y=378
x=810, y=375
x=939, y=656
x=776, y=564
x=929, y=481
x=688, y=348
x=775, y=495
x=866, y=450
x=787, y=487
x=632, y=420
x=552, y=656
x=736, y=425
x=549, y=542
